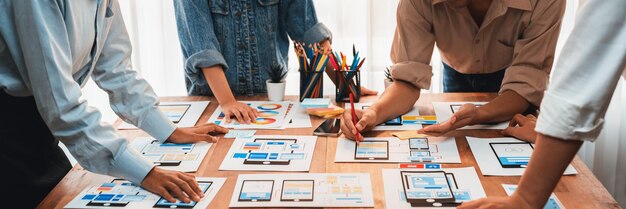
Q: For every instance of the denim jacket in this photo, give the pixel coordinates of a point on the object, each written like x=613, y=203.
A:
x=244, y=36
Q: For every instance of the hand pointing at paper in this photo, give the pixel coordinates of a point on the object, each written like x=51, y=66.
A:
x=467, y=115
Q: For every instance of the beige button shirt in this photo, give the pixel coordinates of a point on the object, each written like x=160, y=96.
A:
x=517, y=35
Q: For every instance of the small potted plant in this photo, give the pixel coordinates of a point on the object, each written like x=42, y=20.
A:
x=388, y=79
x=276, y=83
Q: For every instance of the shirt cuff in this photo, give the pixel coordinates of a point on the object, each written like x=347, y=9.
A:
x=415, y=73
x=157, y=125
x=530, y=83
x=561, y=119
x=317, y=34
x=131, y=165
x=203, y=59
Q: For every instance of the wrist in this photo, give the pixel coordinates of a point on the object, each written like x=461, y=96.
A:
x=522, y=202
x=480, y=116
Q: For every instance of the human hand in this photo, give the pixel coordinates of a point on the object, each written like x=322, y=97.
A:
x=465, y=116
x=243, y=112
x=197, y=134
x=366, y=91
x=170, y=184
x=496, y=203
x=366, y=121
x=522, y=128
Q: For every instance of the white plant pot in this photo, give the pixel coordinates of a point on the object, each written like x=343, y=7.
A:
x=387, y=83
x=275, y=91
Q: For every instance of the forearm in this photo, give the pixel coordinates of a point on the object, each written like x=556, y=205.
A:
x=218, y=83
x=502, y=108
x=398, y=98
x=547, y=164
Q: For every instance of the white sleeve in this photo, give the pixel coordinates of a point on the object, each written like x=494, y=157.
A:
x=586, y=74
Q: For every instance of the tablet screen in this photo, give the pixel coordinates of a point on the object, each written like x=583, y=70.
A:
x=256, y=190
x=163, y=203
x=426, y=187
x=297, y=190
x=512, y=155
x=372, y=150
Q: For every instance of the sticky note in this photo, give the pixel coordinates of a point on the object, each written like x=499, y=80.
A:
x=404, y=135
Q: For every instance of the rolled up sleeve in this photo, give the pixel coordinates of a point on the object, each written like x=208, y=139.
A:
x=198, y=41
x=299, y=18
x=534, y=53
x=586, y=74
x=131, y=97
x=413, y=44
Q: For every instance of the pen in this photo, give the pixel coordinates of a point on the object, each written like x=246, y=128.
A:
x=358, y=135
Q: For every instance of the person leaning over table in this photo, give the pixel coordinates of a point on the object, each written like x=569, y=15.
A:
x=227, y=45
x=48, y=51
x=572, y=111
x=486, y=46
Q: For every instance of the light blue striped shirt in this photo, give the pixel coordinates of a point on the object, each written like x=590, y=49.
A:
x=48, y=49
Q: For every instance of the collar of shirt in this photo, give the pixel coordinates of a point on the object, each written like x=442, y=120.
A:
x=515, y=4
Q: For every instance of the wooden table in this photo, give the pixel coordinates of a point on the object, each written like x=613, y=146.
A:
x=577, y=191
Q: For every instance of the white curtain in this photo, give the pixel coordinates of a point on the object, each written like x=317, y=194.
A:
x=369, y=25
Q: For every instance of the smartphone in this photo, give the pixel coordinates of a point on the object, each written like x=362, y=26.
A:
x=512, y=154
x=330, y=127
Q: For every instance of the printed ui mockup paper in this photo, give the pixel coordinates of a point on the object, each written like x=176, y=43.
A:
x=408, y=121
x=120, y=193
x=183, y=114
x=445, y=110
x=503, y=156
x=170, y=156
x=431, y=149
x=303, y=190
x=270, y=153
x=463, y=182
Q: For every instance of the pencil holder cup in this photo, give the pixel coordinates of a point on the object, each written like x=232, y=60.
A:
x=311, y=84
x=347, y=82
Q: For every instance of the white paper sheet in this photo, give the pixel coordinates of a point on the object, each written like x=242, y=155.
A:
x=189, y=117
x=146, y=199
x=488, y=162
x=443, y=110
x=466, y=179
x=300, y=154
x=553, y=202
x=189, y=161
x=330, y=190
x=274, y=116
x=442, y=149
x=382, y=127
x=298, y=118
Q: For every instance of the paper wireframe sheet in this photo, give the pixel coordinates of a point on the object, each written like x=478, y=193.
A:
x=270, y=153
x=183, y=114
x=124, y=194
x=466, y=183
x=441, y=149
x=176, y=157
x=445, y=110
x=491, y=165
x=409, y=120
x=303, y=190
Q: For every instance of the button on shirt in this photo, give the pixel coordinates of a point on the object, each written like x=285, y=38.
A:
x=48, y=49
x=586, y=73
x=517, y=35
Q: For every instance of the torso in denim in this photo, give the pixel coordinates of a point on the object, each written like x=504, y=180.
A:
x=250, y=35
